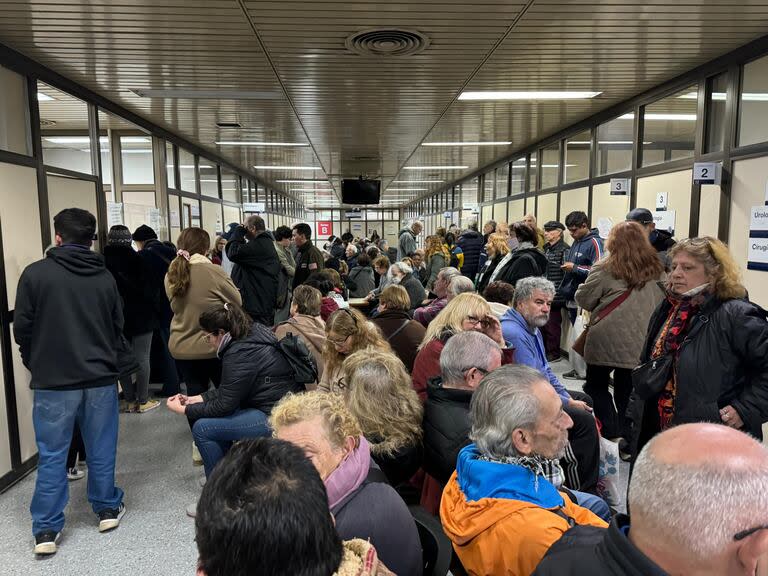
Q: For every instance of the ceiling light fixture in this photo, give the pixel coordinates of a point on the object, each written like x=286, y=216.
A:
x=405, y=190
x=44, y=97
x=286, y=168
x=436, y=167
x=606, y=142
x=516, y=95
x=302, y=181
x=466, y=143
x=659, y=116
x=189, y=167
x=252, y=143
x=206, y=94
x=417, y=181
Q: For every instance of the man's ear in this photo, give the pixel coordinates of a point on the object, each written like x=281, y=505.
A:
x=523, y=441
x=753, y=548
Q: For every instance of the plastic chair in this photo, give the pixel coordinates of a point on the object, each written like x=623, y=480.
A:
x=435, y=545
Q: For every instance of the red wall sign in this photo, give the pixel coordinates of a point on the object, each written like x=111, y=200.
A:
x=324, y=229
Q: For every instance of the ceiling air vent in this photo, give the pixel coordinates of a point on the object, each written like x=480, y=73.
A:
x=387, y=42
x=229, y=124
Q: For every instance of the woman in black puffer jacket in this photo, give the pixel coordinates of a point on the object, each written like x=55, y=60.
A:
x=255, y=375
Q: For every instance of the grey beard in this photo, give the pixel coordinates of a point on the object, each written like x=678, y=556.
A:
x=540, y=321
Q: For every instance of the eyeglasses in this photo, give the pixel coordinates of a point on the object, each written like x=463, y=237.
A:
x=338, y=342
x=747, y=533
x=483, y=322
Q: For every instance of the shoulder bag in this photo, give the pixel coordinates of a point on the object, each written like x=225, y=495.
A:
x=580, y=342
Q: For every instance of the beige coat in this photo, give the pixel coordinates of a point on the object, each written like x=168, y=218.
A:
x=617, y=340
x=311, y=330
x=209, y=286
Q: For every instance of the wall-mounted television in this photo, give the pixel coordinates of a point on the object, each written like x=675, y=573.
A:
x=359, y=191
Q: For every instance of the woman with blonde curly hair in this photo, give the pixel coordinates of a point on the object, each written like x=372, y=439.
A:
x=467, y=311
x=346, y=331
x=391, y=424
x=706, y=349
x=362, y=503
x=497, y=249
x=437, y=256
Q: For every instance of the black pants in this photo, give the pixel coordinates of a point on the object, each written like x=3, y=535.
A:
x=198, y=374
x=76, y=448
x=585, y=443
x=613, y=419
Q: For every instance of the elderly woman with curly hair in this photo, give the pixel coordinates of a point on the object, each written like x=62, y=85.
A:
x=391, y=424
x=705, y=357
x=363, y=504
x=346, y=332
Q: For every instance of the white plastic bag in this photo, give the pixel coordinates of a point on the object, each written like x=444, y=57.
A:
x=608, y=486
x=577, y=362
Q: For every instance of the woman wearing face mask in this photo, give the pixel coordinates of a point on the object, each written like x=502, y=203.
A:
x=254, y=377
x=402, y=274
x=706, y=347
x=346, y=331
x=362, y=503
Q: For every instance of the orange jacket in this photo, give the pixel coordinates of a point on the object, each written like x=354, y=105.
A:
x=502, y=536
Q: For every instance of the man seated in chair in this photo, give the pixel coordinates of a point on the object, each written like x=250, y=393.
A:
x=499, y=509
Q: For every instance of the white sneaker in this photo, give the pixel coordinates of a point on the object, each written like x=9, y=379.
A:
x=192, y=510
x=202, y=481
x=75, y=474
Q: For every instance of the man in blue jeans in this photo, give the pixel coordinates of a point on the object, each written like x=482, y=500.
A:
x=67, y=322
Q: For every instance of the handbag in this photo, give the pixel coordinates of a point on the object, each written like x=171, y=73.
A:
x=650, y=378
x=580, y=342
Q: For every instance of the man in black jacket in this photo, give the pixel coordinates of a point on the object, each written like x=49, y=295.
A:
x=309, y=259
x=68, y=322
x=556, y=250
x=661, y=240
x=471, y=244
x=699, y=507
x=466, y=358
x=256, y=269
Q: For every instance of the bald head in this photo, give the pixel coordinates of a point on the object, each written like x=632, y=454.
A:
x=694, y=487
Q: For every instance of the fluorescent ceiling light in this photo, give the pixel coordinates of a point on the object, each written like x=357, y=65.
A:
x=657, y=116
x=608, y=142
x=406, y=190
x=512, y=95
x=136, y=151
x=44, y=97
x=286, y=168
x=436, y=167
x=311, y=190
x=206, y=94
x=250, y=143
x=557, y=165
x=134, y=139
x=417, y=181
x=189, y=167
x=216, y=181
x=302, y=181
x=466, y=143
x=69, y=139
x=746, y=96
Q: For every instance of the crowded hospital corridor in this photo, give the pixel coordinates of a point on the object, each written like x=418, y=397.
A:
x=415, y=287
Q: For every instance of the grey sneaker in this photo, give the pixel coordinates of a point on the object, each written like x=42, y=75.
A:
x=109, y=519
x=192, y=510
x=75, y=473
x=45, y=542
x=573, y=375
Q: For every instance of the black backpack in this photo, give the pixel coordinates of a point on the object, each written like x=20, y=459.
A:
x=299, y=357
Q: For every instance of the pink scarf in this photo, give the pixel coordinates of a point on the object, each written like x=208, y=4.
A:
x=349, y=474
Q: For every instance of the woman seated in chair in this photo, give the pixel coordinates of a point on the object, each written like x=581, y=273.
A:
x=254, y=377
x=363, y=504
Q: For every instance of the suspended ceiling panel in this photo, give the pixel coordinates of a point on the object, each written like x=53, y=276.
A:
x=282, y=70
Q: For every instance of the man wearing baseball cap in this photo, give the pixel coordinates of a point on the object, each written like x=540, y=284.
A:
x=660, y=239
x=556, y=250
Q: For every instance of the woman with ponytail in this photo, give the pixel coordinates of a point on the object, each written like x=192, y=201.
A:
x=194, y=285
x=255, y=376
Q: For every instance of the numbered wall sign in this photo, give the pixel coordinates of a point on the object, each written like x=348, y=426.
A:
x=620, y=186
x=255, y=207
x=662, y=200
x=706, y=173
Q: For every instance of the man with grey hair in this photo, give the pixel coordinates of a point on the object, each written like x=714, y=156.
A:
x=402, y=274
x=406, y=242
x=499, y=509
x=699, y=504
x=521, y=327
x=459, y=285
x=466, y=358
x=426, y=314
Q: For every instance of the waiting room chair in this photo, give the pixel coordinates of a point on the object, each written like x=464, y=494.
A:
x=435, y=545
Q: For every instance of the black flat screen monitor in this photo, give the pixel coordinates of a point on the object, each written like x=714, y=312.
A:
x=360, y=191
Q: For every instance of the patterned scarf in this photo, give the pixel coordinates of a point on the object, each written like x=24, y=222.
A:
x=671, y=337
x=536, y=464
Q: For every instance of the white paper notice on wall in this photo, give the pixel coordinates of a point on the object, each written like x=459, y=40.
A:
x=175, y=219
x=604, y=226
x=154, y=218
x=757, y=251
x=115, y=214
x=665, y=220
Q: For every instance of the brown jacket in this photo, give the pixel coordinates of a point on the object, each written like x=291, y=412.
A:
x=616, y=340
x=406, y=342
x=209, y=286
x=311, y=330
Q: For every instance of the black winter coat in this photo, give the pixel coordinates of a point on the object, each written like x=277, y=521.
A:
x=158, y=257
x=131, y=275
x=256, y=273
x=446, y=428
x=723, y=361
x=245, y=364
x=486, y=271
x=415, y=290
x=525, y=262
x=68, y=321
x=362, y=278
x=401, y=465
x=556, y=255
x=597, y=552
x=471, y=243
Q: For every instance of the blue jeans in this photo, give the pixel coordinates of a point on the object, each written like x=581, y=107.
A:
x=594, y=504
x=53, y=414
x=214, y=436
